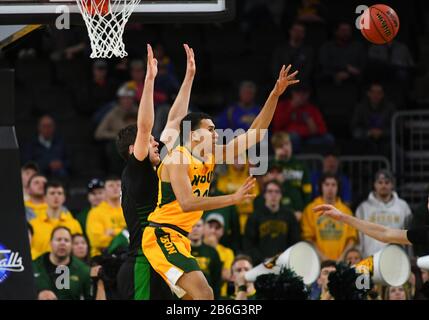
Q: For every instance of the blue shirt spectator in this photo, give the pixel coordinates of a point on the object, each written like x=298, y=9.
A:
x=331, y=165
x=241, y=114
x=47, y=149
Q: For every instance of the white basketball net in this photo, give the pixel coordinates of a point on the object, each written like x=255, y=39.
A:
x=106, y=30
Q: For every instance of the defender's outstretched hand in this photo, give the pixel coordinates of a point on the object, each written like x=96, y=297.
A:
x=152, y=64
x=285, y=80
x=243, y=192
x=329, y=211
x=191, y=68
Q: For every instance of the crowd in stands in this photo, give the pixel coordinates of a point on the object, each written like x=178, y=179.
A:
x=348, y=94
x=280, y=216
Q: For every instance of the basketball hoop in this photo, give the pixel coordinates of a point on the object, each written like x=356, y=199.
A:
x=105, y=21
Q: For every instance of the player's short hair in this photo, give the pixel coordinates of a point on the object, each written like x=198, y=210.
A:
x=194, y=119
x=126, y=138
x=60, y=228
x=53, y=184
x=34, y=177
x=326, y=176
x=279, y=138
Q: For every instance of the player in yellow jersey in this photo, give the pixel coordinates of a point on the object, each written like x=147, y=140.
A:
x=185, y=175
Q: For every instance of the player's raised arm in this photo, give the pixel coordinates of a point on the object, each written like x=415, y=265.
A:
x=181, y=104
x=376, y=231
x=182, y=188
x=254, y=135
x=146, y=115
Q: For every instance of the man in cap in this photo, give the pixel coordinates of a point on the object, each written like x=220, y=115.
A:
x=95, y=197
x=123, y=114
x=383, y=207
x=213, y=232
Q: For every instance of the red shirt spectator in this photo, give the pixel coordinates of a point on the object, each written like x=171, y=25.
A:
x=299, y=116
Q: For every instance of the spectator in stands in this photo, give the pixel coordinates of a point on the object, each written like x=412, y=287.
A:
x=213, y=232
x=352, y=256
x=207, y=257
x=137, y=73
x=319, y=289
x=36, y=204
x=46, y=266
x=106, y=221
x=101, y=89
x=391, y=62
x=342, y=59
x=301, y=119
x=243, y=290
x=295, y=52
x=331, y=164
x=257, y=14
x=55, y=216
x=95, y=197
x=420, y=217
x=270, y=230
x=396, y=293
x=310, y=11
x=47, y=149
x=231, y=181
x=166, y=80
x=274, y=172
x=297, y=184
x=27, y=171
x=66, y=44
x=371, y=122
x=80, y=248
x=332, y=239
x=384, y=207
x=241, y=114
x=163, y=59
x=231, y=230
x=123, y=114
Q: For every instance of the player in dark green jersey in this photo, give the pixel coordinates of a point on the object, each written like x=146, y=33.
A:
x=136, y=278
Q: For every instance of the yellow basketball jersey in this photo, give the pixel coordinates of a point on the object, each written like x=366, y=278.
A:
x=168, y=209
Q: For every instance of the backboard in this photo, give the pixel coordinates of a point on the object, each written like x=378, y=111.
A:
x=148, y=11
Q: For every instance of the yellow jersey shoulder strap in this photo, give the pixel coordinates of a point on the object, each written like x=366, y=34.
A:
x=180, y=149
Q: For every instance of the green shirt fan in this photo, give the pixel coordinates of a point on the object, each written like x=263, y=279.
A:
x=105, y=21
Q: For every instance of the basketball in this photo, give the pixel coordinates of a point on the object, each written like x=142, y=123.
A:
x=379, y=24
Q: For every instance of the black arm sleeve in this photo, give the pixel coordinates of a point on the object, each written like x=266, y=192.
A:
x=419, y=235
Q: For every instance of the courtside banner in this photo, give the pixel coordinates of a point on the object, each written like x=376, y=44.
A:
x=16, y=275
